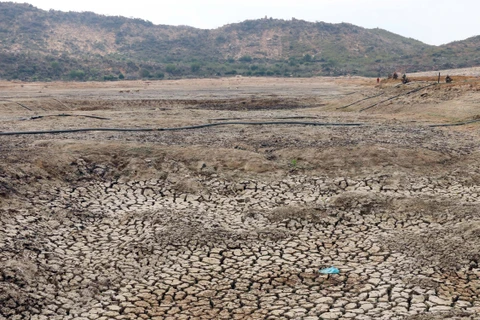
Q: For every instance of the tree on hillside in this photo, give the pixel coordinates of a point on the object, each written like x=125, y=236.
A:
x=77, y=75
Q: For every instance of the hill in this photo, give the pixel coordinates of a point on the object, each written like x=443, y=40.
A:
x=51, y=45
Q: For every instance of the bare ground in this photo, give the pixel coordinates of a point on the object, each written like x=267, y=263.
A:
x=234, y=222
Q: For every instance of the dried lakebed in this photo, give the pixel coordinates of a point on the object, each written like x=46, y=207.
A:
x=235, y=222
x=206, y=247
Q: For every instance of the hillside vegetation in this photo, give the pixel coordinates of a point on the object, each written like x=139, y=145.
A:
x=53, y=45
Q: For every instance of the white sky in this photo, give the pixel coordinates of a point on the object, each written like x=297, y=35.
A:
x=431, y=21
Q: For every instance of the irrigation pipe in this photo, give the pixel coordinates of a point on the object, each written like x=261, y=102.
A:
x=62, y=103
x=367, y=98
x=182, y=128
x=351, y=104
x=21, y=105
x=279, y=118
x=454, y=124
x=66, y=115
x=403, y=94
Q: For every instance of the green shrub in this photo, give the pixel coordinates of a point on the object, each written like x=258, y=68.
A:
x=195, y=67
x=307, y=58
x=110, y=77
x=171, y=68
x=144, y=73
x=245, y=59
x=77, y=74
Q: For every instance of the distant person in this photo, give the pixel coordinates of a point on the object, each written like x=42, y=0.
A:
x=395, y=76
x=378, y=80
x=448, y=79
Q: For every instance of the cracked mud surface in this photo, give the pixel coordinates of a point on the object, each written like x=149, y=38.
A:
x=235, y=222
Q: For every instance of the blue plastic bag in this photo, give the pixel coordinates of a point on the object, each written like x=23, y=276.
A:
x=331, y=270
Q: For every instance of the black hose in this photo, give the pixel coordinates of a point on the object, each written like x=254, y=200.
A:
x=403, y=94
x=62, y=103
x=378, y=95
x=21, y=105
x=67, y=115
x=454, y=124
x=279, y=118
x=181, y=128
x=351, y=104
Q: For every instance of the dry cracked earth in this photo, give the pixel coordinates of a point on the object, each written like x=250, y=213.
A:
x=235, y=222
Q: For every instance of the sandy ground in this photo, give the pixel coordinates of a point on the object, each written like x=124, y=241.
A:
x=235, y=221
